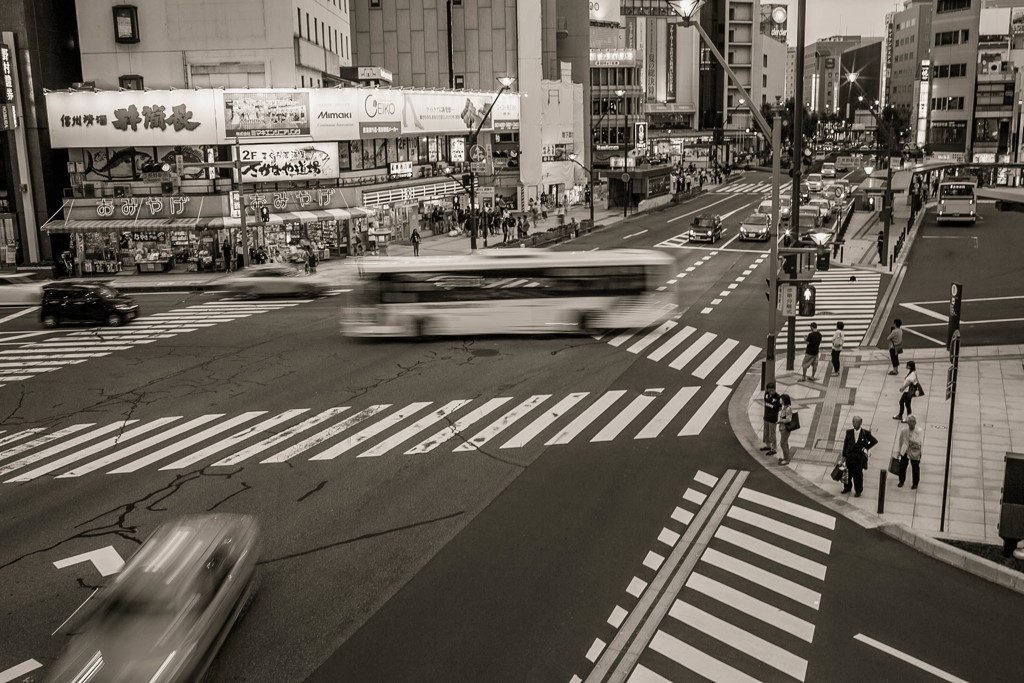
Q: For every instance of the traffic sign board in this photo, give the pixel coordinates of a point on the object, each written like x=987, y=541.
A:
x=787, y=302
x=624, y=177
x=476, y=153
x=481, y=167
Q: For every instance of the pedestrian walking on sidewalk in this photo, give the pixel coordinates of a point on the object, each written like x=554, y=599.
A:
x=856, y=450
x=911, y=440
x=811, y=353
x=908, y=390
x=837, y=346
x=415, y=239
x=772, y=404
x=785, y=417
x=895, y=340
x=881, y=248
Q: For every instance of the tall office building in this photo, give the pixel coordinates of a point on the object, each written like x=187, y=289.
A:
x=238, y=44
x=790, y=88
x=910, y=46
x=954, y=50
x=864, y=64
x=822, y=73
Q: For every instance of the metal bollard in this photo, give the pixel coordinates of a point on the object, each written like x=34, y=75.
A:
x=881, y=491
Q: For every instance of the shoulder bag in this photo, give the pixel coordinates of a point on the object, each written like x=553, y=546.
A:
x=894, y=464
x=918, y=390
x=794, y=423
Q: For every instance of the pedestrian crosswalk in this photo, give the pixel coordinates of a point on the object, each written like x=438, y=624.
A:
x=219, y=440
x=743, y=611
x=31, y=359
x=759, y=187
x=841, y=294
x=680, y=347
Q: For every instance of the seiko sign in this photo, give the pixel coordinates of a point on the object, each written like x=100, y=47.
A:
x=375, y=107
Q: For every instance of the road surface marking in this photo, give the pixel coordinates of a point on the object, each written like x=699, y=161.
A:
x=744, y=641
x=636, y=587
x=925, y=312
x=700, y=210
x=503, y=423
x=63, y=445
x=545, y=420
x=690, y=657
x=715, y=358
x=700, y=419
x=595, y=650
x=672, y=343
x=623, y=419
x=771, y=552
x=730, y=376
x=691, y=352
x=635, y=234
x=323, y=435
x=653, y=560
x=20, y=670
x=764, y=578
x=415, y=428
x=458, y=426
x=371, y=431
x=781, y=529
x=235, y=439
x=667, y=413
x=668, y=537
x=682, y=516
x=738, y=600
x=94, y=591
x=121, y=454
x=794, y=510
x=652, y=337
x=187, y=442
x=695, y=497
x=12, y=316
x=280, y=437
x=106, y=560
x=924, y=666
x=594, y=411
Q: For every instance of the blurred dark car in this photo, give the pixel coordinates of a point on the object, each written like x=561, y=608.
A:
x=85, y=303
x=166, y=615
x=706, y=227
x=273, y=279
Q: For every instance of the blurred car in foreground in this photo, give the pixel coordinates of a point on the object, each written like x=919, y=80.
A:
x=706, y=227
x=171, y=607
x=85, y=303
x=18, y=289
x=273, y=279
x=756, y=227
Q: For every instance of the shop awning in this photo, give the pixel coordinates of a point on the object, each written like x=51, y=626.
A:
x=76, y=225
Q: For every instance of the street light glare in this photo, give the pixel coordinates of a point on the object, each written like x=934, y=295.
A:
x=506, y=81
x=620, y=92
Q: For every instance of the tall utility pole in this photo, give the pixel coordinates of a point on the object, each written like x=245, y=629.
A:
x=626, y=186
x=506, y=83
x=798, y=155
x=773, y=238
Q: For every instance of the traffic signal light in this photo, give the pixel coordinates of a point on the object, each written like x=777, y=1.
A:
x=789, y=264
x=824, y=257
x=805, y=303
x=264, y=214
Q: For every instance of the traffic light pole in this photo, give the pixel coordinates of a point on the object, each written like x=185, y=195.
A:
x=773, y=271
x=240, y=188
x=798, y=145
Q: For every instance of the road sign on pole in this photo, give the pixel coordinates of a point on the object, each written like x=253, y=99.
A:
x=787, y=302
x=956, y=296
x=477, y=153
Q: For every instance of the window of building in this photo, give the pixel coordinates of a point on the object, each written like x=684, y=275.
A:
x=302, y=81
x=130, y=81
x=300, y=22
x=126, y=23
x=944, y=103
x=764, y=81
x=764, y=60
x=308, y=35
x=459, y=82
x=316, y=33
x=374, y=4
x=951, y=6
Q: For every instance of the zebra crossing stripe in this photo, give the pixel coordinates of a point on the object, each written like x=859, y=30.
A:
x=771, y=552
x=672, y=343
x=695, y=660
x=594, y=411
x=651, y=337
x=93, y=449
x=719, y=354
x=699, y=421
x=641, y=674
x=623, y=419
x=740, y=601
x=52, y=351
x=503, y=423
x=762, y=577
x=371, y=431
x=781, y=529
x=321, y=437
x=691, y=352
x=412, y=430
x=128, y=451
x=11, y=438
x=43, y=440
x=621, y=339
x=545, y=420
x=167, y=451
x=64, y=445
x=28, y=369
x=744, y=641
x=658, y=423
x=458, y=426
x=794, y=510
x=234, y=439
x=730, y=376
x=280, y=437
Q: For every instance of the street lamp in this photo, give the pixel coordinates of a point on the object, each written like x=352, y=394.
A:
x=590, y=176
x=851, y=78
x=506, y=83
x=625, y=155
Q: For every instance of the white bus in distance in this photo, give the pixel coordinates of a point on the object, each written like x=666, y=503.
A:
x=957, y=200
x=513, y=291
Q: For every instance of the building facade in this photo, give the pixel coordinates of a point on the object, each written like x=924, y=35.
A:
x=954, y=64
x=822, y=71
x=790, y=89
x=911, y=43
x=864, y=65
x=994, y=100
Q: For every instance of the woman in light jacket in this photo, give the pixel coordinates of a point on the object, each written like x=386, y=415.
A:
x=911, y=439
x=785, y=417
x=907, y=390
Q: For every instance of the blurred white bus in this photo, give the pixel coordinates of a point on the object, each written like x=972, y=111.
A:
x=521, y=291
x=958, y=200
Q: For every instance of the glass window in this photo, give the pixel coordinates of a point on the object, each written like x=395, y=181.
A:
x=344, y=160
x=356, y=154
x=380, y=156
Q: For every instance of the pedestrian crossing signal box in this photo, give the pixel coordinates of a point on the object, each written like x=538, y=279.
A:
x=823, y=259
x=805, y=304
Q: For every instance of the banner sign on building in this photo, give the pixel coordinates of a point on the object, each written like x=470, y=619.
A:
x=282, y=161
x=652, y=58
x=670, y=63
x=267, y=113
x=604, y=10
x=775, y=22
x=6, y=75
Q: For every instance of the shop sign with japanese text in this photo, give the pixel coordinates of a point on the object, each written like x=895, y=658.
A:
x=131, y=118
x=283, y=161
x=265, y=113
x=145, y=207
x=294, y=200
x=6, y=75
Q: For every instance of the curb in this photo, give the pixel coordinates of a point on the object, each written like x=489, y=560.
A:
x=923, y=543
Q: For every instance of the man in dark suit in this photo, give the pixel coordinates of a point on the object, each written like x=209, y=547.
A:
x=855, y=451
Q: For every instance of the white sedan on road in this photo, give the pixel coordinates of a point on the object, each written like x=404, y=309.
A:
x=20, y=290
x=273, y=279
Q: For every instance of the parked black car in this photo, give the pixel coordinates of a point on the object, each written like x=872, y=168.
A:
x=85, y=303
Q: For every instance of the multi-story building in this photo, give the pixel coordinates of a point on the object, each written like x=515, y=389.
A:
x=774, y=65
x=993, y=101
x=822, y=73
x=910, y=45
x=954, y=59
x=864, y=65
x=182, y=44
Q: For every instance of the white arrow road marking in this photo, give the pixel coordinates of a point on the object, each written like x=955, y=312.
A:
x=106, y=560
x=18, y=671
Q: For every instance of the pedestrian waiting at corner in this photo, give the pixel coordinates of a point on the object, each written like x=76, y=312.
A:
x=911, y=441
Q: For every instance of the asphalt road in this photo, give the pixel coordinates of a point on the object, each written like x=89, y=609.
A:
x=982, y=258
x=508, y=562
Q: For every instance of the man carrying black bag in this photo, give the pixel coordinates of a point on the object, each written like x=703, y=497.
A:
x=855, y=451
